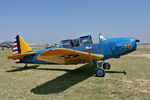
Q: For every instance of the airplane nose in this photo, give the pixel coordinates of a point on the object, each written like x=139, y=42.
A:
x=136, y=41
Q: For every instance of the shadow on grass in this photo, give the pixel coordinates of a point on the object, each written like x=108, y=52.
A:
x=117, y=72
x=22, y=68
x=66, y=80
x=54, y=69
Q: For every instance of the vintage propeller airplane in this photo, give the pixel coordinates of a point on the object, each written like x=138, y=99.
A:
x=6, y=44
x=75, y=51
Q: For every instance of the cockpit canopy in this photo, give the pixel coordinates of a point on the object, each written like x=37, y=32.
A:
x=84, y=40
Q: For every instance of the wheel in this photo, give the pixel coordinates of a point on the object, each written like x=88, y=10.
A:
x=3, y=48
x=100, y=72
x=106, y=66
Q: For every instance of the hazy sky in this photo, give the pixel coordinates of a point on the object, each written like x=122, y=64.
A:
x=49, y=21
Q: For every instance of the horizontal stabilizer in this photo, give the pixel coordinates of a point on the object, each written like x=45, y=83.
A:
x=19, y=56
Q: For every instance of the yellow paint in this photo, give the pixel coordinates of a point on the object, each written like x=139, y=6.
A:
x=57, y=56
x=130, y=46
x=127, y=45
x=24, y=46
x=18, y=56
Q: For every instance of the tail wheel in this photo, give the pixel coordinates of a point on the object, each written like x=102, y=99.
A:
x=106, y=66
x=100, y=72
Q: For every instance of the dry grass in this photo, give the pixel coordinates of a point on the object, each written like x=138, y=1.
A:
x=76, y=82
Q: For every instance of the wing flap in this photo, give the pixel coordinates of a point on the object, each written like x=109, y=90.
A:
x=67, y=56
x=19, y=56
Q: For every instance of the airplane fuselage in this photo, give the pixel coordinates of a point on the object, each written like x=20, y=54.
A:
x=110, y=48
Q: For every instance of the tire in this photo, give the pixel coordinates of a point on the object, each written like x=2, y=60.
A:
x=106, y=66
x=100, y=73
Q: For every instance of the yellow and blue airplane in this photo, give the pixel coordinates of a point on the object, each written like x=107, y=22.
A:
x=75, y=51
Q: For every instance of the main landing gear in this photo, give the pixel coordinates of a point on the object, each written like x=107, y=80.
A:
x=100, y=72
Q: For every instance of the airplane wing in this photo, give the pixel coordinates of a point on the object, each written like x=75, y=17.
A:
x=19, y=56
x=67, y=56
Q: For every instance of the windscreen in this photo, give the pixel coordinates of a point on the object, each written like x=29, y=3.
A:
x=84, y=40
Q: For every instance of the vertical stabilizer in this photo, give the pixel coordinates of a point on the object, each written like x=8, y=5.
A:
x=20, y=46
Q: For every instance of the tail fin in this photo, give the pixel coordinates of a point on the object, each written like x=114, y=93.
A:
x=20, y=46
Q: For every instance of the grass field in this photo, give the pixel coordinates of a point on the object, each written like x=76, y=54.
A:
x=77, y=82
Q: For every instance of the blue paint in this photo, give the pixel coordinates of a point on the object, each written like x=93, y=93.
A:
x=110, y=48
x=100, y=72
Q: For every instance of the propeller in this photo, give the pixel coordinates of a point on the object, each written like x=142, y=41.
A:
x=137, y=40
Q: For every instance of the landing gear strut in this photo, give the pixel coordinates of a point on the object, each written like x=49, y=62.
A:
x=99, y=71
x=26, y=66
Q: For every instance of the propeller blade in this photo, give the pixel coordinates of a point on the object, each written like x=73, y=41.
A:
x=137, y=40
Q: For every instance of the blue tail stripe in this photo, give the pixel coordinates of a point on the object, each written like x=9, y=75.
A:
x=18, y=44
